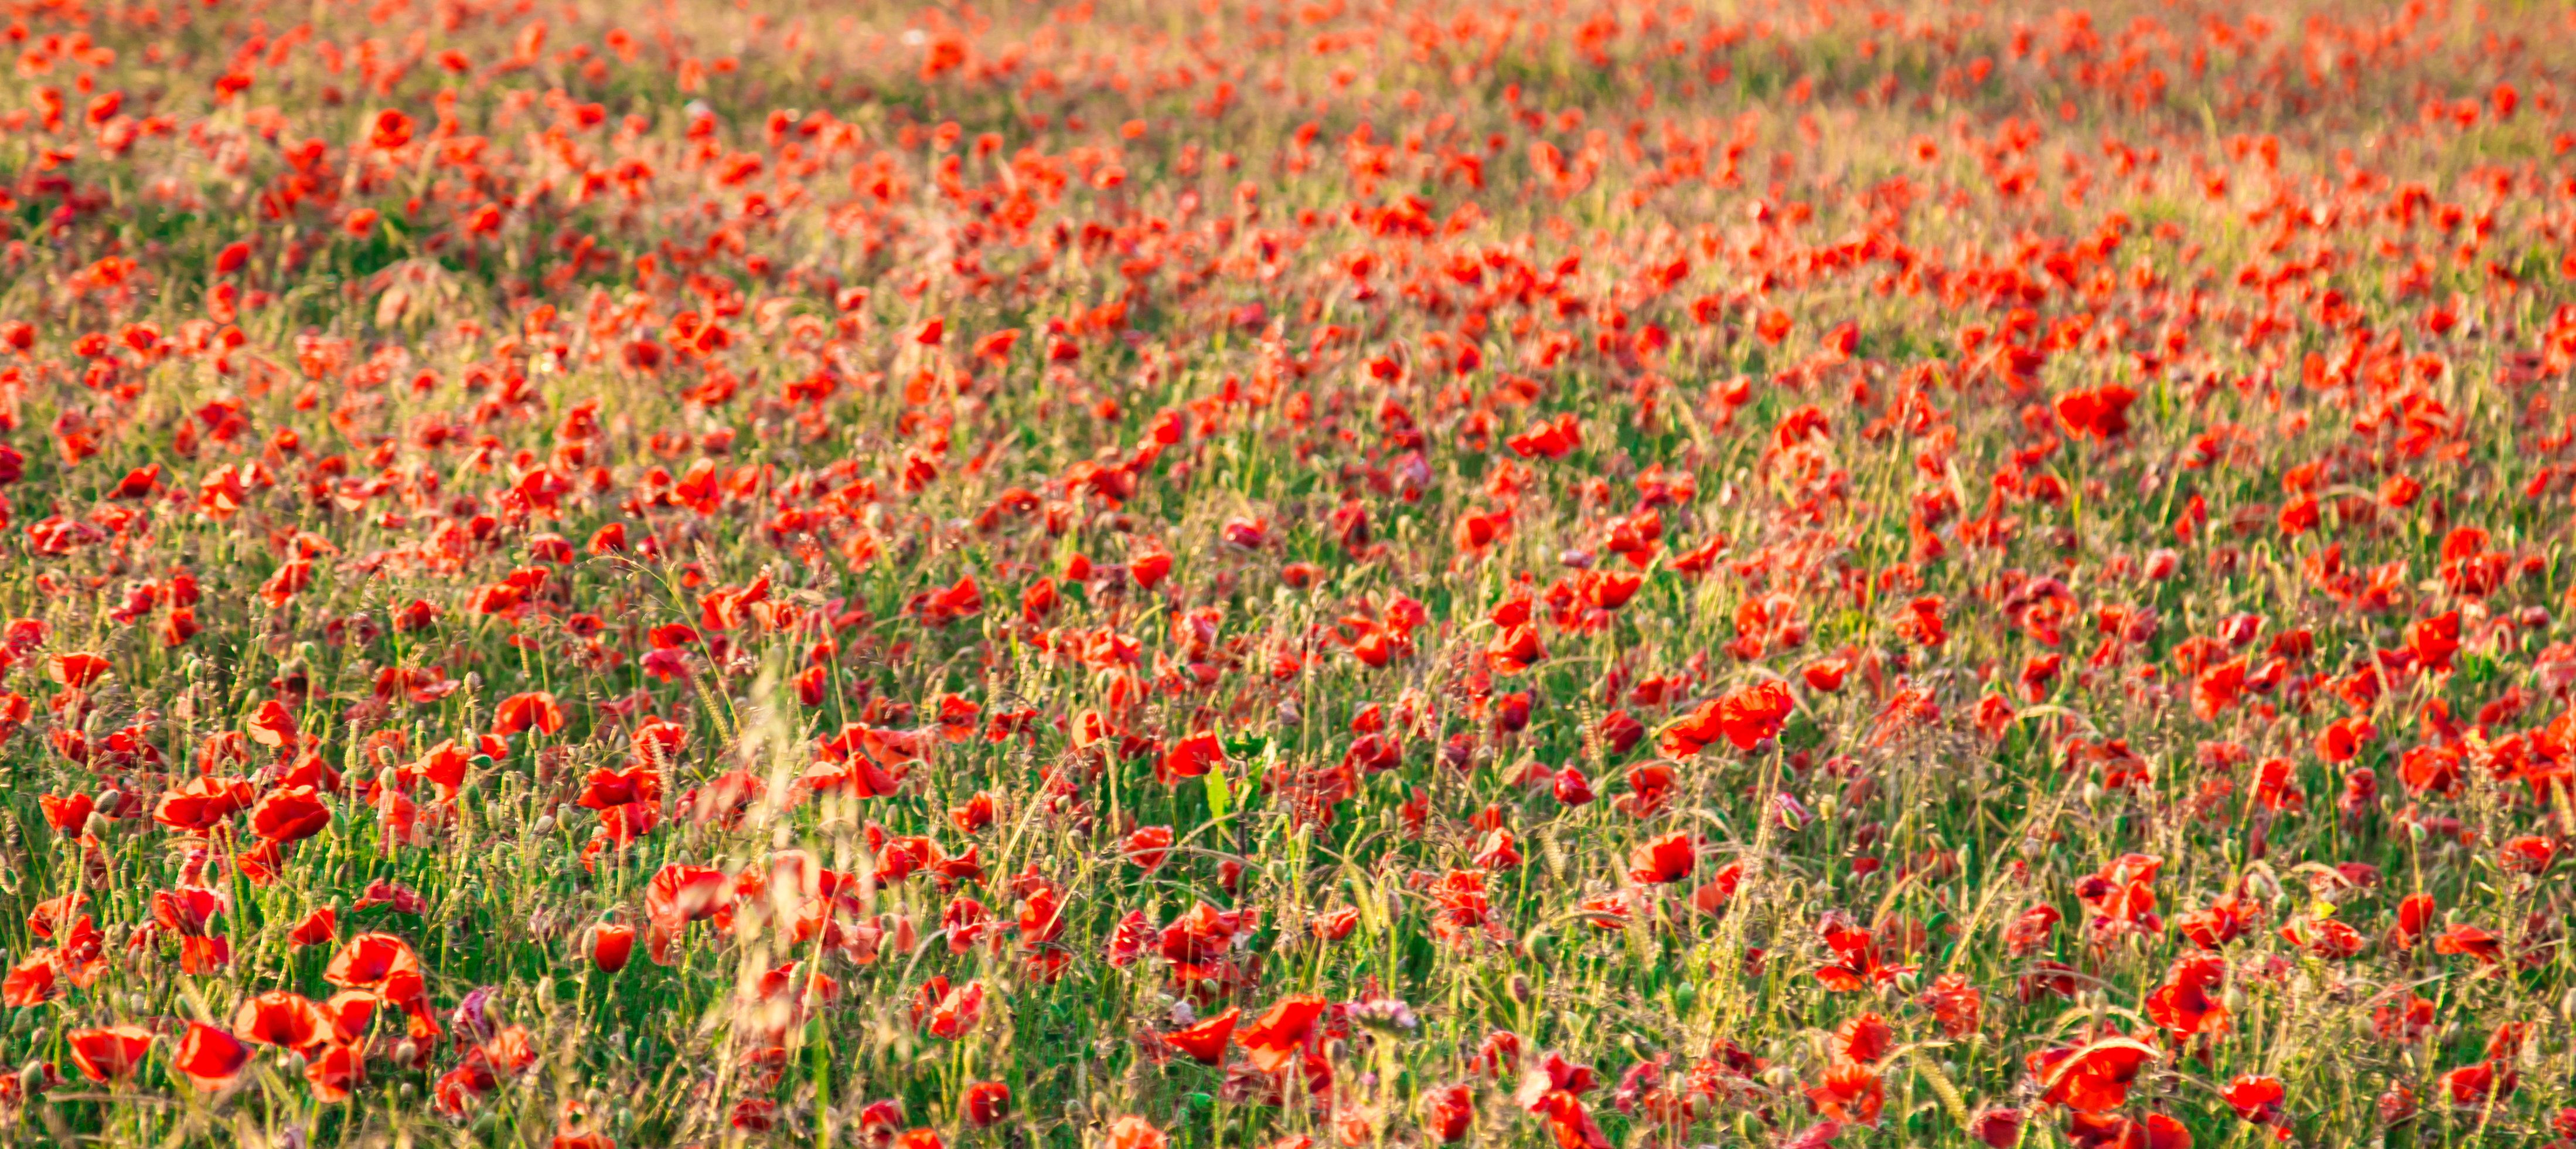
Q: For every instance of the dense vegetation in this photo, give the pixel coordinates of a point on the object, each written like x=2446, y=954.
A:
x=1282, y=574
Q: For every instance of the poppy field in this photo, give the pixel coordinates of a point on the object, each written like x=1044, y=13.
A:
x=1287, y=573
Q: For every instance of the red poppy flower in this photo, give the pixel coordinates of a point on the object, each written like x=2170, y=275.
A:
x=1148, y=846
x=389, y=130
x=2186, y=1004
x=1515, y=649
x=282, y=1018
x=1956, y=1003
x=2090, y=1130
x=2097, y=413
x=2091, y=1078
x=1861, y=964
x=290, y=815
x=1754, y=713
x=66, y=815
x=1825, y=675
x=1998, y=1128
x=956, y=1011
x=204, y=955
x=2481, y=1085
x=386, y=892
x=209, y=1057
x=522, y=712
x=2226, y=920
x=349, y=1013
x=611, y=944
x=2256, y=1098
x=372, y=961
x=457, y=1091
x=57, y=917
x=1649, y=786
x=680, y=894
x=1191, y=757
x=1278, y=1035
x=200, y=804
x=2395, y=1105
x=1666, y=859
x=111, y=1053
x=1850, y=1092
x=274, y=725
x=1134, y=1133
x=1620, y=731
x=1610, y=590
x=1864, y=1040
x=79, y=670
x=1206, y=1040
x=1570, y=1123
x=30, y=982
x=2415, y=913
x=2124, y=889
x=2029, y=933
x=185, y=911
x=317, y=928
x=1335, y=924
x=2470, y=940
x=2526, y=854
x=335, y=1072
x=985, y=1104
x=1449, y=1113
x=2324, y=937
x=1149, y=567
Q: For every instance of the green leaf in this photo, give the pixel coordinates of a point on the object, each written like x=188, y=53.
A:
x=1217, y=796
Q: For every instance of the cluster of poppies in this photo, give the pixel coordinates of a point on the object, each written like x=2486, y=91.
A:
x=1334, y=572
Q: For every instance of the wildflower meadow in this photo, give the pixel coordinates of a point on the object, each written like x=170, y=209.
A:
x=1281, y=574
